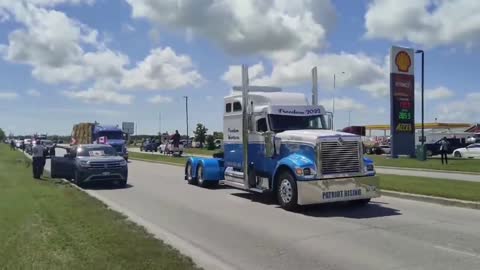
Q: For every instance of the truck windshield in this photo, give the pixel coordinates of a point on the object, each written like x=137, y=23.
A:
x=279, y=123
x=111, y=135
x=96, y=151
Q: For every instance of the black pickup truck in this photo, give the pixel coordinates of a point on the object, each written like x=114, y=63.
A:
x=433, y=149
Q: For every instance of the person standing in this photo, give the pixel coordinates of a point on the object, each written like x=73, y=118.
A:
x=38, y=160
x=444, y=150
x=12, y=145
x=176, y=139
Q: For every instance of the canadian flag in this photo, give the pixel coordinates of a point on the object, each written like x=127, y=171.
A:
x=102, y=140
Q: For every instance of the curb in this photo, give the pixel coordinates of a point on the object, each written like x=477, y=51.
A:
x=427, y=170
x=432, y=199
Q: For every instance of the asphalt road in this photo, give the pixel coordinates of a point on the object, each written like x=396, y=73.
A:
x=247, y=231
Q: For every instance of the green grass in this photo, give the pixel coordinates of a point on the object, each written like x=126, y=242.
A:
x=460, y=165
x=462, y=190
x=201, y=151
x=51, y=225
x=158, y=158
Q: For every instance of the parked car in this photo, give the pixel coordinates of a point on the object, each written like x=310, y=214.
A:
x=385, y=149
x=474, y=138
x=470, y=151
x=91, y=163
x=433, y=149
x=149, y=146
x=170, y=149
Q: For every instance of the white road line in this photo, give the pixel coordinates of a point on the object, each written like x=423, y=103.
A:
x=461, y=252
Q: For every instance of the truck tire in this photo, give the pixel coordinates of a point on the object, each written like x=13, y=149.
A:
x=77, y=180
x=189, y=174
x=123, y=183
x=201, y=181
x=286, y=190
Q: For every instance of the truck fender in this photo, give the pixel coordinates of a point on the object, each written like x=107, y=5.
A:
x=213, y=168
x=291, y=163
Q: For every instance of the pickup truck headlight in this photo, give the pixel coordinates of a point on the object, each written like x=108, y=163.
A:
x=123, y=163
x=84, y=163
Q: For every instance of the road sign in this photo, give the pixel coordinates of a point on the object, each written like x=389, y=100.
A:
x=402, y=101
x=128, y=127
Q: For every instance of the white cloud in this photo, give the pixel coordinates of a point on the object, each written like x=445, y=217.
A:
x=158, y=99
x=8, y=95
x=33, y=92
x=440, y=92
x=360, y=72
x=276, y=28
x=462, y=110
x=93, y=95
x=63, y=50
x=342, y=104
x=128, y=28
x=163, y=69
x=233, y=75
x=426, y=22
x=103, y=91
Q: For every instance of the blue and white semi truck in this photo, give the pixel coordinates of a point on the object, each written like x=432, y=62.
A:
x=276, y=142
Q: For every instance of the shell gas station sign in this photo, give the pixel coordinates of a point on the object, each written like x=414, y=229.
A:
x=402, y=101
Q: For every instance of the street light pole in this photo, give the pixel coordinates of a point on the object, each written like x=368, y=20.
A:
x=186, y=113
x=423, y=82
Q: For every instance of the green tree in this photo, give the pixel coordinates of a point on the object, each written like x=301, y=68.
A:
x=210, y=142
x=2, y=135
x=218, y=135
x=200, y=134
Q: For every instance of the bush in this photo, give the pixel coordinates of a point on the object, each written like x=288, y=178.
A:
x=210, y=142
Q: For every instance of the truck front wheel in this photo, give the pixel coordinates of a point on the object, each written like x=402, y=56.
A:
x=287, y=194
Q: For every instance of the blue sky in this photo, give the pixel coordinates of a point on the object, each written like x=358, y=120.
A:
x=67, y=61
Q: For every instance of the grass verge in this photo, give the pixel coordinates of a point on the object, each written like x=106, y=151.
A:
x=51, y=225
x=460, y=165
x=462, y=190
x=158, y=158
x=201, y=151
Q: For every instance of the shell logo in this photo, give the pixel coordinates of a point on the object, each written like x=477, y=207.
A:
x=403, y=61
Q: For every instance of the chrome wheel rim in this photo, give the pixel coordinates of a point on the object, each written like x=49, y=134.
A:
x=286, y=191
x=200, y=174
x=189, y=171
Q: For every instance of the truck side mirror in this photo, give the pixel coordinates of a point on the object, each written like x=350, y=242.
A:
x=269, y=144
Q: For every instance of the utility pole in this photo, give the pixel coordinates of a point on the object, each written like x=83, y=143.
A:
x=186, y=113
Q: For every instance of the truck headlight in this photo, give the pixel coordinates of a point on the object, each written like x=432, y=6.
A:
x=123, y=163
x=84, y=163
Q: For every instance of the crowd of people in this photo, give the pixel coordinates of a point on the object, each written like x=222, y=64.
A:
x=40, y=153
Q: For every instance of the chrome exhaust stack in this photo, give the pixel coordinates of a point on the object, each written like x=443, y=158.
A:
x=314, y=87
x=245, y=125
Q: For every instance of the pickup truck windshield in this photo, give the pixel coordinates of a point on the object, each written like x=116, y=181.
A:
x=279, y=123
x=96, y=151
x=111, y=135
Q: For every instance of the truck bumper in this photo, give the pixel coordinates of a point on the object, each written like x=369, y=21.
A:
x=336, y=190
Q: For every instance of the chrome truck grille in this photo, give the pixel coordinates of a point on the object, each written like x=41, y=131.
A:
x=339, y=158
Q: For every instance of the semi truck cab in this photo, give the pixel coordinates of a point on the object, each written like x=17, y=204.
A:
x=115, y=138
x=275, y=141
